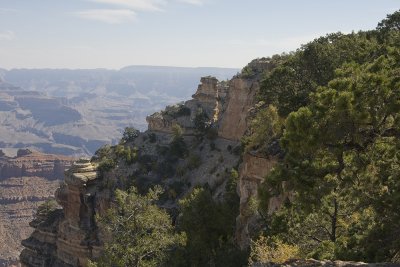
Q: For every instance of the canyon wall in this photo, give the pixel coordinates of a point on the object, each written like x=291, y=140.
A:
x=69, y=237
x=26, y=181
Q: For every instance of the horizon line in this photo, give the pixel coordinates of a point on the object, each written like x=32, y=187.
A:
x=115, y=69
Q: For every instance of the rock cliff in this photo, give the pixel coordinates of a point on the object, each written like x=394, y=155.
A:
x=67, y=236
x=212, y=124
x=28, y=163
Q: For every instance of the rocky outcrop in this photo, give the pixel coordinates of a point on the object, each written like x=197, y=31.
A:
x=207, y=94
x=206, y=101
x=241, y=98
x=40, y=247
x=68, y=237
x=229, y=104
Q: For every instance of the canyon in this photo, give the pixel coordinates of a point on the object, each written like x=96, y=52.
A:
x=26, y=181
x=74, y=112
x=69, y=236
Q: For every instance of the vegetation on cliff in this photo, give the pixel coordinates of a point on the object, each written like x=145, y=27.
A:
x=339, y=97
x=330, y=111
x=137, y=231
x=328, y=119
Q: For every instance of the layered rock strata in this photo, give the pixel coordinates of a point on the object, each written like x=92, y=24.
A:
x=31, y=163
x=68, y=236
x=26, y=181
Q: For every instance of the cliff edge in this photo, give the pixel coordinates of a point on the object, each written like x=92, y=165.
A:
x=206, y=129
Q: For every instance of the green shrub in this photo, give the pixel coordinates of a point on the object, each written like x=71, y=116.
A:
x=201, y=121
x=268, y=250
x=106, y=165
x=103, y=152
x=194, y=162
x=247, y=72
x=130, y=134
x=45, y=209
x=178, y=146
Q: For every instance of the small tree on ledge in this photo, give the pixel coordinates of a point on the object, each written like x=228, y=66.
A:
x=139, y=233
x=129, y=134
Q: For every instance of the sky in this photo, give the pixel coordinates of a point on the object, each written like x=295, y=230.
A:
x=189, y=33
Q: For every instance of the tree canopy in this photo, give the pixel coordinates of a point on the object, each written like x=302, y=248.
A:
x=340, y=98
x=137, y=231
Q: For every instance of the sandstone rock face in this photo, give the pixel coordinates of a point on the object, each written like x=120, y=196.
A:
x=252, y=172
x=71, y=240
x=158, y=123
x=240, y=98
x=206, y=94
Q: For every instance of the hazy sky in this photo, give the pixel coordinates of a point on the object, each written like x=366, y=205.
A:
x=215, y=33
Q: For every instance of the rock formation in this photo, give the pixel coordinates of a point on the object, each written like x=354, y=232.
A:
x=28, y=163
x=67, y=237
x=207, y=99
x=213, y=122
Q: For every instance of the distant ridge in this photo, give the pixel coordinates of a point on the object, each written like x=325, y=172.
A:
x=74, y=112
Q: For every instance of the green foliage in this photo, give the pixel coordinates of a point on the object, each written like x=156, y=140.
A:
x=271, y=250
x=177, y=111
x=289, y=85
x=130, y=155
x=103, y=152
x=201, y=121
x=209, y=226
x=334, y=107
x=194, y=161
x=178, y=146
x=332, y=149
x=339, y=95
x=324, y=250
x=247, y=72
x=106, y=165
x=45, y=209
x=138, y=233
x=265, y=127
x=392, y=22
x=177, y=131
x=129, y=135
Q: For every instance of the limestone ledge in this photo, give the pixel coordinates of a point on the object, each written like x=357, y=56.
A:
x=81, y=172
